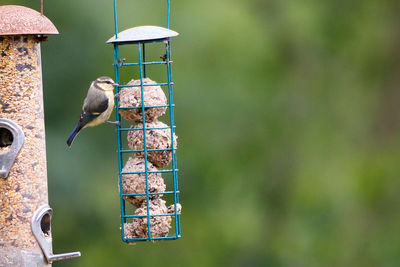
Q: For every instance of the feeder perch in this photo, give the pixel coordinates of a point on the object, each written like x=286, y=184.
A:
x=152, y=144
x=23, y=182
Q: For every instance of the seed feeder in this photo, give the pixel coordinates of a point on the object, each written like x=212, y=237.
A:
x=25, y=216
x=150, y=144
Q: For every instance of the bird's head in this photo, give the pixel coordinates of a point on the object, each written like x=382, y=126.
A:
x=105, y=83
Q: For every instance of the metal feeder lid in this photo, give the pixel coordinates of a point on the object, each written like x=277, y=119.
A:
x=20, y=20
x=143, y=33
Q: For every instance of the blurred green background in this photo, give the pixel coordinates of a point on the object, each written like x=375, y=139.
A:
x=288, y=120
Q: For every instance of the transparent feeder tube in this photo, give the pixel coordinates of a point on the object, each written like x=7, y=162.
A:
x=24, y=190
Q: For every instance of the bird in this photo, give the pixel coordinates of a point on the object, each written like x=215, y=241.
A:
x=97, y=106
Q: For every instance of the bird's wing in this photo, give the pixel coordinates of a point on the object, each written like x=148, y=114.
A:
x=93, y=109
x=97, y=106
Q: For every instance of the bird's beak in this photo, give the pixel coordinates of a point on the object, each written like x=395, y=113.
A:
x=115, y=84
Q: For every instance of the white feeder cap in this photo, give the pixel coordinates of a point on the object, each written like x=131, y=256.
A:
x=143, y=33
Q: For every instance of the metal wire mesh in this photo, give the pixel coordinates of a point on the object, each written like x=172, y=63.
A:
x=142, y=65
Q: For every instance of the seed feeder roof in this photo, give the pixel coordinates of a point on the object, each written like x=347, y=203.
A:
x=20, y=20
x=143, y=33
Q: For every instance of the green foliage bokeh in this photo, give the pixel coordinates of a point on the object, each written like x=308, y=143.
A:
x=288, y=120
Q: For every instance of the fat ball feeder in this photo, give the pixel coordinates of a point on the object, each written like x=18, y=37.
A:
x=151, y=144
x=25, y=216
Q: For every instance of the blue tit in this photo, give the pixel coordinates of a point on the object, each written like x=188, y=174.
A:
x=97, y=107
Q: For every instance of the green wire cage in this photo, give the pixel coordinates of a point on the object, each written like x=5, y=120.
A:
x=150, y=216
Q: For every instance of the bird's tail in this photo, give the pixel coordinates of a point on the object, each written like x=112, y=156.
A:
x=73, y=135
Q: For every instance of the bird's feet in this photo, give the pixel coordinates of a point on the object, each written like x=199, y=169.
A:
x=117, y=123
